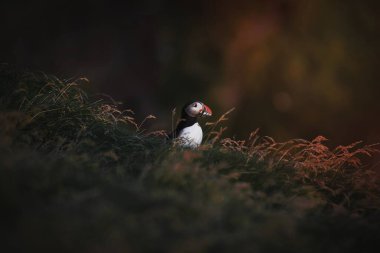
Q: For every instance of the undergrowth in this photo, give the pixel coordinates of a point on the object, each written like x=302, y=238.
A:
x=79, y=175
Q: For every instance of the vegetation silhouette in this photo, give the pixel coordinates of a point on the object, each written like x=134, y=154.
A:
x=77, y=174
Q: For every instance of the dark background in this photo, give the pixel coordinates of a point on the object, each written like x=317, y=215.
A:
x=292, y=68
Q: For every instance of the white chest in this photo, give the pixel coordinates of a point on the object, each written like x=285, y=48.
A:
x=191, y=136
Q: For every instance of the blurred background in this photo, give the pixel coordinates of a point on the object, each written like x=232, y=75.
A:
x=293, y=68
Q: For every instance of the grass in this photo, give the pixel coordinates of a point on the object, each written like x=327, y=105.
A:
x=79, y=175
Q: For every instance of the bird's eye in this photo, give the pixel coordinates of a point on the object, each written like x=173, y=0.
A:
x=195, y=105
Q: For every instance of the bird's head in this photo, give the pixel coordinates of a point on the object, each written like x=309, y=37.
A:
x=196, y=109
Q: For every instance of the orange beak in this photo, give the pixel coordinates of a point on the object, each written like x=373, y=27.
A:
x=206, y=111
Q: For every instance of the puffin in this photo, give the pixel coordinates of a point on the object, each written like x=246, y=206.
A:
x=188, y=133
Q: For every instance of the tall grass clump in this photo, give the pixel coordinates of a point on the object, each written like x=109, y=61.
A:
x=77, y=174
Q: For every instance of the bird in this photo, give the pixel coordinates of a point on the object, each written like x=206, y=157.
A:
x=188, y=133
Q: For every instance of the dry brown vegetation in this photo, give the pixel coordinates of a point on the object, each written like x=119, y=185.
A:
x=77, y=169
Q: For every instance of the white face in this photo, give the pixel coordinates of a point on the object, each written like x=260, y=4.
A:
x=194, y=109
